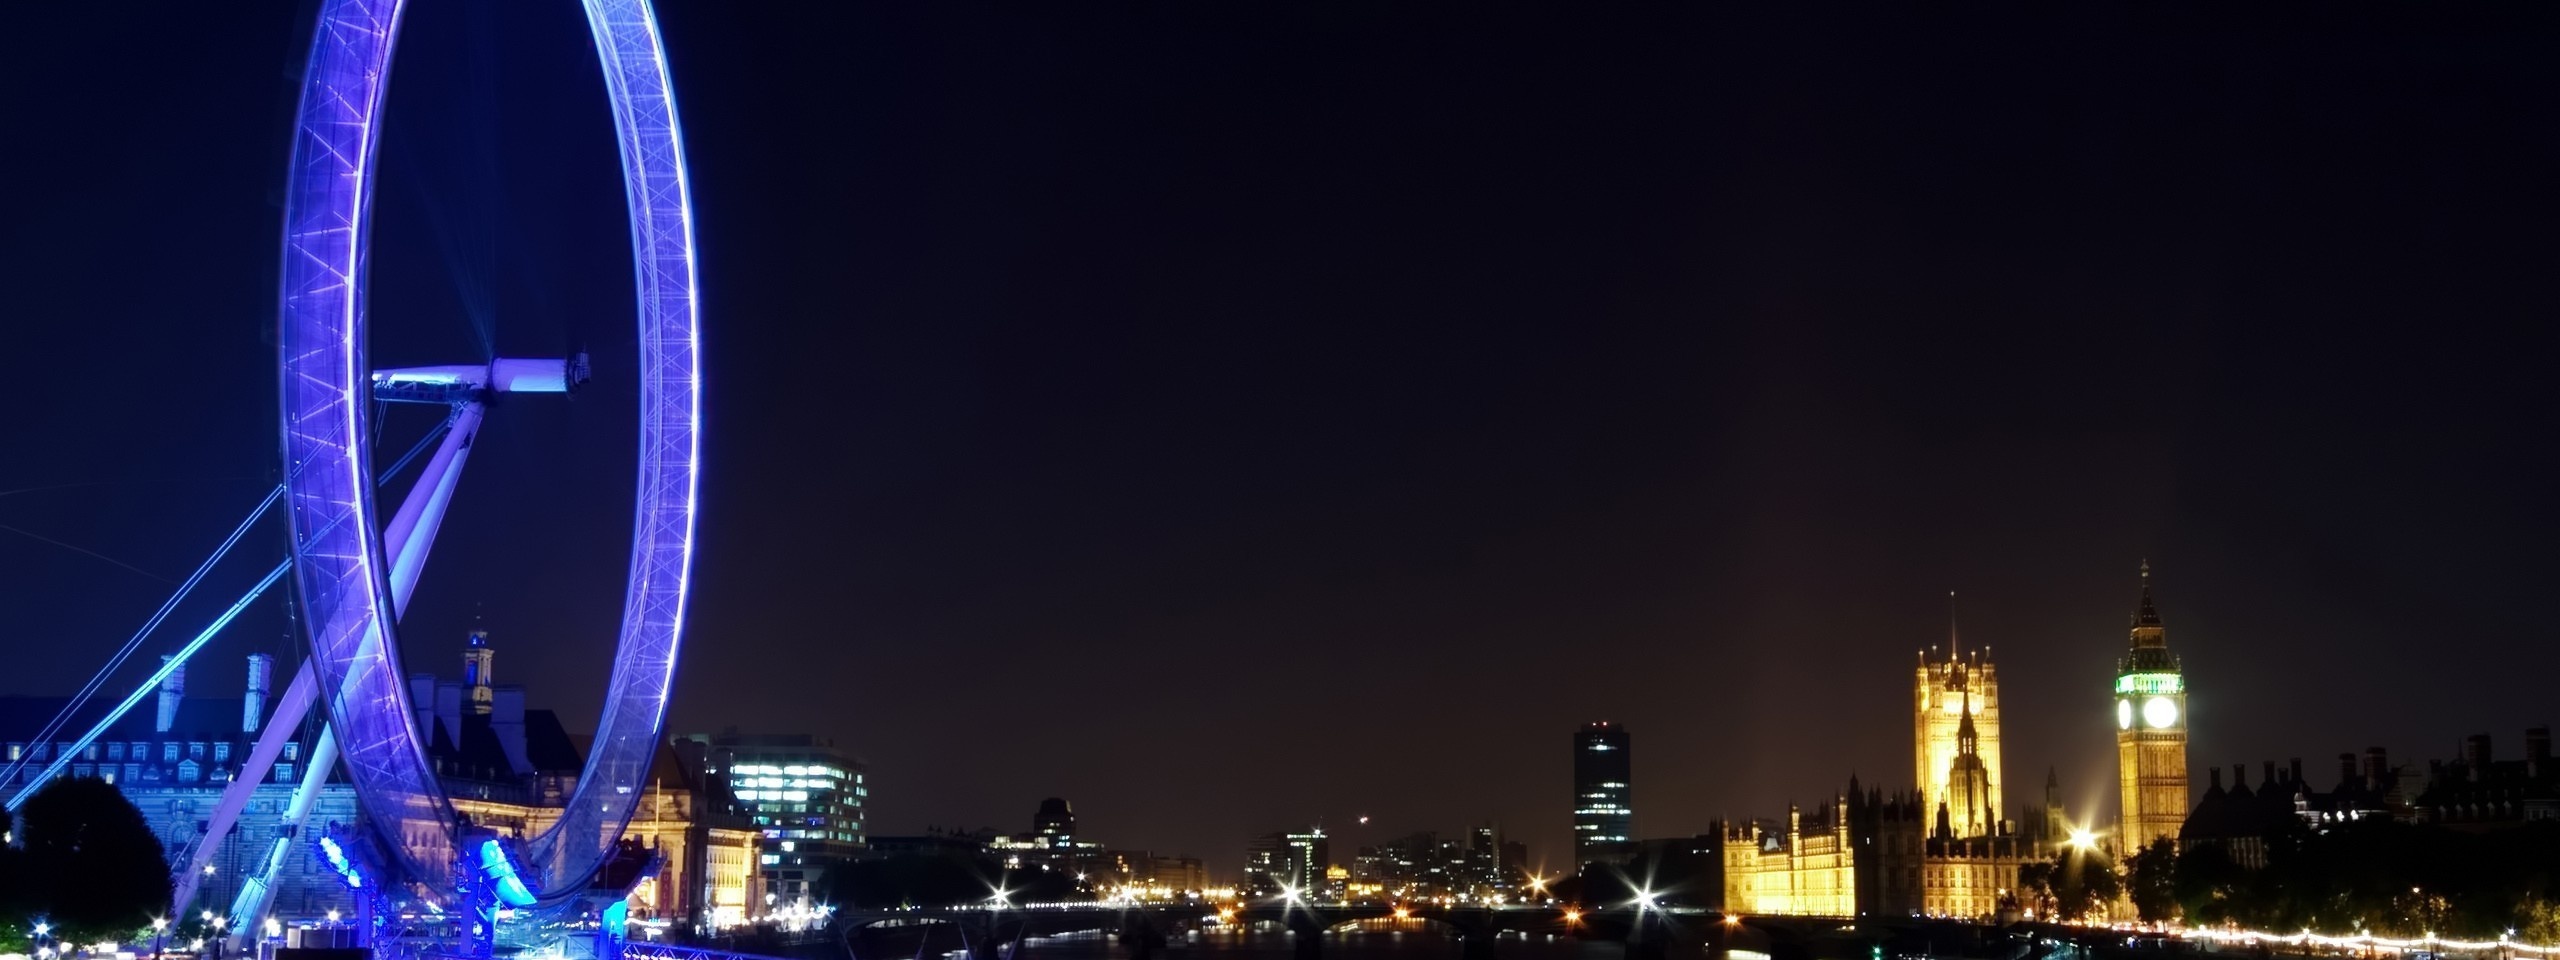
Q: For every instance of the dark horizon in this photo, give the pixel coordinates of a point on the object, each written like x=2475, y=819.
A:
x=1235, y=419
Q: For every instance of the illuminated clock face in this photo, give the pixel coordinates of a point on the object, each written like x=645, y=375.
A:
x=2159, y=712
x=2124, y=714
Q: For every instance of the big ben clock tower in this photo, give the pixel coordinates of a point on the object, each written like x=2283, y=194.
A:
x=2151, y=732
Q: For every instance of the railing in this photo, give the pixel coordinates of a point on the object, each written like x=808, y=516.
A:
x=667, y=951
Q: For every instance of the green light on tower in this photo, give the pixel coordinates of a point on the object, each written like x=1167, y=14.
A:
x=2150, y=683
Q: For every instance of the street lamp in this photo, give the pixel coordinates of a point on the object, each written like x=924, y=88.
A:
x=159, y=926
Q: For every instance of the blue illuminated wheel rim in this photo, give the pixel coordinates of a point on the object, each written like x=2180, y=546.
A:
x=340, y=569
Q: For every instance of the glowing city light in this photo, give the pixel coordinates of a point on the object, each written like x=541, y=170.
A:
x=2364, y=940
x=2083, y=840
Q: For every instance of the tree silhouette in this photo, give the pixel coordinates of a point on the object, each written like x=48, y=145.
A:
x=17, y=915
x=2151, y=880
x=2072, y=886
x=105, y=874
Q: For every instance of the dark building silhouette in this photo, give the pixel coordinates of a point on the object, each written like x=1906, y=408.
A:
x=2478, y=792
x=1603, y=798
x=1056, y=819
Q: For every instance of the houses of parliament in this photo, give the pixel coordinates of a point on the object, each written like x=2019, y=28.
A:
x=1947, y=846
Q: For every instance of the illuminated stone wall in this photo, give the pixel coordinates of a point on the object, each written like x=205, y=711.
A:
x=1940, y=691
x=1805, y=871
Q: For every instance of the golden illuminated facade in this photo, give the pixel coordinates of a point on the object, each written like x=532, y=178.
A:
x=706, y=873
x=1911, y=863
x=1972, y=879
x=1806, y=871
x=1946, y=693
x=2151, y=732
x=1940, y=849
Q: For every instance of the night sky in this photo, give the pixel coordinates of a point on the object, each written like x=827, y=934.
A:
x=1229, y=416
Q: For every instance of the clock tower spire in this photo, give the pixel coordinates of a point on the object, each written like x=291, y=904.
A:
x=2151, y=731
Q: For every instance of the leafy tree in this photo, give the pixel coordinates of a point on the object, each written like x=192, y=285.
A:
x=105, y=874
x=2210, y=889
x=2099, y=886
x=2538, y=921
x=2151, y=879
x=2036, y=881
x=2073, y=886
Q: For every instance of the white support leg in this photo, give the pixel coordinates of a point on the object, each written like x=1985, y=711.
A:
x=409, y=537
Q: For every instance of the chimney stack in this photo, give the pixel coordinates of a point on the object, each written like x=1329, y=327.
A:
x=2475, y=754
x=2239, y=776
x=2293, y=772
x=2377, y=767
x=2346, y=771
x=173, y=691
x=2216, y=773
x=2537, y=751
x=2271, y=775
x=253, y=707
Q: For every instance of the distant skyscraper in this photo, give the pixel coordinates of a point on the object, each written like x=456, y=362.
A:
x=1292, y=863
x=2151, y=732
x=1309, y=855
x=1604, y=811
x=1056, y=821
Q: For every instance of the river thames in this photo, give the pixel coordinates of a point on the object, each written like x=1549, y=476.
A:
x=1413, y=942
